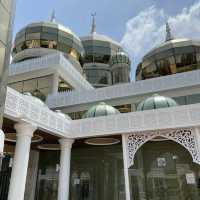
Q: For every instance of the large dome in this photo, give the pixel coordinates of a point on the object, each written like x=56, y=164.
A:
x=156, y=102
x=46, y=37
x=99, y=110
x=173, y=56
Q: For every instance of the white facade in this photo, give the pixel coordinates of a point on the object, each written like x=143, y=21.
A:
x=28, y=117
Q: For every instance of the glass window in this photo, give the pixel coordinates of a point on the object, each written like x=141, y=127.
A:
x=47, y=182
x=36, y=29
x=44, y=43
x=98, y=76
x=33, y=36
x=164, y=170
x=49, y=36
x=97, y=173
x=186, y=62
x=166, y=66
x=49, y=30
x=195, y=98
x=64, y=48
x=32, y=44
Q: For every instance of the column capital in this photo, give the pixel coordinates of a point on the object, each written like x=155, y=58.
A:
x=25, y=128
x=66, y=143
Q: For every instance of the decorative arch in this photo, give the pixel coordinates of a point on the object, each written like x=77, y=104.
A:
x=185, y=137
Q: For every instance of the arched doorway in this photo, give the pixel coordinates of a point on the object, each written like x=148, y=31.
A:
x=164, y=170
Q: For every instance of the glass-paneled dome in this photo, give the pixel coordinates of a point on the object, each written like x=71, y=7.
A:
x=120, y=57
x=121, y=67
x=46, y=37
x=156, y=102
x=173, y=56
x=99, y=48
x=101, y=109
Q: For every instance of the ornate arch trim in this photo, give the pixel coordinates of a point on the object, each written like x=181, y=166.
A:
x=185, y=137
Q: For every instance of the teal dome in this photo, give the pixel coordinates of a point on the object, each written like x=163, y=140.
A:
x=101, y=109
x=156, y=102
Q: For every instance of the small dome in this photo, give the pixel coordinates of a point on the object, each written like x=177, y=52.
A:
x=99, y=110
x=120, y=57
x=156, y=102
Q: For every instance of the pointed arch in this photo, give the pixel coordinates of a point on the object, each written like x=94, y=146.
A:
x=185, y=137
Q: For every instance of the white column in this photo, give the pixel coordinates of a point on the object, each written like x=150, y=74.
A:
x=55, y=83
x=64, y=174
x=20, y=163
x=126, y=175
x=2, y=138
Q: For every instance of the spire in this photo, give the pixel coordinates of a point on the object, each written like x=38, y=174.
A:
x=168, y=33
x=53, y=16
x=93, y=29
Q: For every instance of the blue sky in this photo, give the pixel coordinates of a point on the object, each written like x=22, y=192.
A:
x=137, y=24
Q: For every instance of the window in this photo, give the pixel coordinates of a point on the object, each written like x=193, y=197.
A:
x=98, y=76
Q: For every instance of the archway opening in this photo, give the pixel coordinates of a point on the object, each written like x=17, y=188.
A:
x=164, y=170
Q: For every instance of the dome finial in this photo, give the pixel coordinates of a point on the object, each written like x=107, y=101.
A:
x=93, y=29
x=53, y=16
x=168, y=33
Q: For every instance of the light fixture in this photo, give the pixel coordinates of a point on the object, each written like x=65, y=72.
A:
x=102, y=141
x=11, y=137
x=63, y=86
x=50, y=147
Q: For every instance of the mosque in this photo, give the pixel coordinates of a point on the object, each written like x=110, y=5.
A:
x=77, y=128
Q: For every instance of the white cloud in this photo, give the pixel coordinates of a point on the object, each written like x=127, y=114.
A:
x=147, y=29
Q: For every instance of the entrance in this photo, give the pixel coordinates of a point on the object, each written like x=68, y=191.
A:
x=164, y=170
x=97, y=173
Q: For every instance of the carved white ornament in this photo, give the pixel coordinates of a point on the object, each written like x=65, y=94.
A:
x=185, y=137
x=18, y=106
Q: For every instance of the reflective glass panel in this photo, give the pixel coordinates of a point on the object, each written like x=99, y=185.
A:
x=164, y=170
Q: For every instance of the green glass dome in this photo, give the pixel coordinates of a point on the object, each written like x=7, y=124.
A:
x=102, y=109
x=156, y=102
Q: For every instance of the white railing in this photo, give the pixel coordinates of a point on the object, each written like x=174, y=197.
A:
x=138, y=122
x=155, y=85
x=18, y=107
x=53, y=61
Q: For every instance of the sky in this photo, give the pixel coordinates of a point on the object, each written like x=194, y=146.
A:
x=139, y=25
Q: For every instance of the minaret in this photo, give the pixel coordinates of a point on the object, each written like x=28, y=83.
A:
x=168, y=33
x=53, y=16
x=93, y=29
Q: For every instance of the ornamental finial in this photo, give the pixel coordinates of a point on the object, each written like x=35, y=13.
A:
x=93, y=29
x=168, y=33
x=53, y=16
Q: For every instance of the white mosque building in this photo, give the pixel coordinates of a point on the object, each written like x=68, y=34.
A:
x=77, y=128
